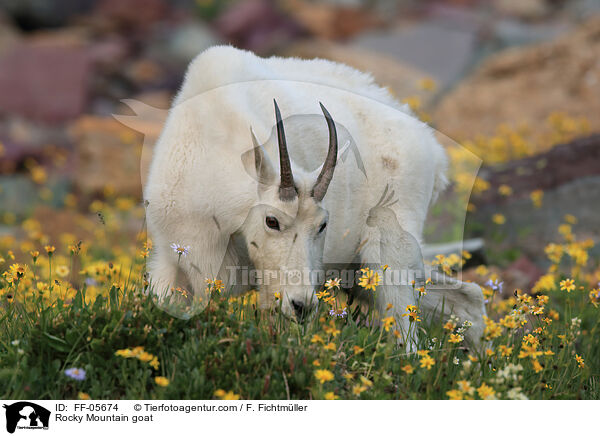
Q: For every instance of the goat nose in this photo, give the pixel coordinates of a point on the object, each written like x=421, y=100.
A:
x=299, y=308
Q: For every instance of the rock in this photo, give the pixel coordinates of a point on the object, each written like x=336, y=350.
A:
x=256, y=25
x=529, y=229
x=569, y=176
x=106, y=153
x=526, y=9
x=108, y=53
x=50, y=76
x=132, y=15
x=18, y=194
x=510, y=32
x=332, y=20
x=45, y=83
x=23, y=140
x=187, y=41
x=562, y=164
x=31, y=15
x=402, y=80
x=9, y=36
x=440, y=49
x=522, y=274
x=525, y=85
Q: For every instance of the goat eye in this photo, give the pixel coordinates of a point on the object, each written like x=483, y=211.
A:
x=322, y=227
x=272, y=222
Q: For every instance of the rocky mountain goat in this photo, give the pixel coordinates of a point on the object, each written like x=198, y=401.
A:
x=334, y=176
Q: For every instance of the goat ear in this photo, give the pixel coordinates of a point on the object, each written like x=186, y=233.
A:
x=257, y=164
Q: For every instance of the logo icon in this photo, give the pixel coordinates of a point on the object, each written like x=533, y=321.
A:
x=26, y=415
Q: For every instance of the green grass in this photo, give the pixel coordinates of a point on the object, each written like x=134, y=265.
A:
x=236, y=347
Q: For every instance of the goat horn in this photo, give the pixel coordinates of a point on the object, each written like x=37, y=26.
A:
x=320, y=188
x=287, y=189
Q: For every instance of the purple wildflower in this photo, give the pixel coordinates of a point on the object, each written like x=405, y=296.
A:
x=496, y=285
x=75, y=373
x=340, y=313
x=180, y=249
x=91, y=282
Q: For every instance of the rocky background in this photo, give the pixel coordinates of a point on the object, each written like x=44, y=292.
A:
x=517, y=82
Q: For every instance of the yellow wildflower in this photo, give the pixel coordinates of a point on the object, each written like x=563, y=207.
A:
x=358, y=389
x=455, y=338
x=498, y=219
x=408, y=368
x=505, y=190
x=427, y=84
x=486, y=392
x=412, y=313
x=370, y=279
x=388, y=323
x=505, y=351
x=161, y=381
x=465, y=386
x=455, y=394
x=427, y=362
x=317, y=339
x=323, y=375
x=229, y=395
x=536, y=198
x=331, y=396
x=330, y=346
x=62, y=271
x=567, y=285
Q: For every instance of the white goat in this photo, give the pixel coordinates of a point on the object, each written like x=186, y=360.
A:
x=213, y=186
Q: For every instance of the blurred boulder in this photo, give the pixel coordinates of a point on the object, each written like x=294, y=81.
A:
x=9, y=36
x=257, y=25
x=558, y=166
x=32, y=15
x=45, y=83
x=568, y=175
x=24, y=141
x=50, y=76
x=132, y=15
x=332, y=20
x=512, y=32
x=187, y=41
x=108, y=53
x=18, y=194
x=401, y=79
x=106, y=153
x=522, y=274
x=526, y=9
x=442, y=47
x=526, y=85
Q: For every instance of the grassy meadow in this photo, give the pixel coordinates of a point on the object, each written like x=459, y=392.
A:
x=542, y=345
x=75, y=322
